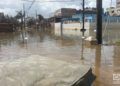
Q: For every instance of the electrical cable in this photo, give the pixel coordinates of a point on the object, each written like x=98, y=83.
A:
x=32, y=3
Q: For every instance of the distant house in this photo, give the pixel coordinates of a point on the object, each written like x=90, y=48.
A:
x=65, y=12
x=6, y=27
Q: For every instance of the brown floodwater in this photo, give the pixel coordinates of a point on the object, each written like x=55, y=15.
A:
x=104, y=59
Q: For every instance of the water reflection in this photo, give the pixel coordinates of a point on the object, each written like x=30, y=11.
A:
x=110, y=36
x=38, y=43
x=104, y=65
x=82, y=50
x=65, y=42
x=97, y=63
x=116, y=60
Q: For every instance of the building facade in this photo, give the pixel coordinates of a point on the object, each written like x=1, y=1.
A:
x=93, y=17
x=90, y=14
x=65, y=12
x=88, y=17
x=112, y=11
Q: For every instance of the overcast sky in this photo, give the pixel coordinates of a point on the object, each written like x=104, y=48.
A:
x=11, y=6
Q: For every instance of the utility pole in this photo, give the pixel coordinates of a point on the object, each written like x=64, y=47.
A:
x=21, y=20
x=36, y=19
x=99, y=21
x=22, y=25
x=36, y=14
x=83, y=18
x=24, y=14
x=24, y=22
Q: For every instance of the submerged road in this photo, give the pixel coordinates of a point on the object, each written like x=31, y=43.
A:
x=40, y=71
x=16, y=54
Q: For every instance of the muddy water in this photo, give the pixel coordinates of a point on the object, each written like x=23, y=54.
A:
x=104, y=59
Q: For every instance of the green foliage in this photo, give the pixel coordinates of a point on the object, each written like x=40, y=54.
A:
x=118, y=43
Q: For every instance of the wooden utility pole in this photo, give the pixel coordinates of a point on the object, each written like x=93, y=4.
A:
x=99, y=22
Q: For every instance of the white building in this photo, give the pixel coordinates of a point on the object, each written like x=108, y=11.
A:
x=117, y=3
x=118, y=7
x=114, y=11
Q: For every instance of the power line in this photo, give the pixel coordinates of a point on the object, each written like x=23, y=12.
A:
x=31, y=4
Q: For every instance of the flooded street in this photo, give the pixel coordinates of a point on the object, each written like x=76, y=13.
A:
x=104, y=59
x=60, y=43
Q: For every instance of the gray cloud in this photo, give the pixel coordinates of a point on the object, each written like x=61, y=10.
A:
x=11, y=6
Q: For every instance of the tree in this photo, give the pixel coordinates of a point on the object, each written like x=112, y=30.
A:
x=19, y=15
x=40, y=18
x=30, y=21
